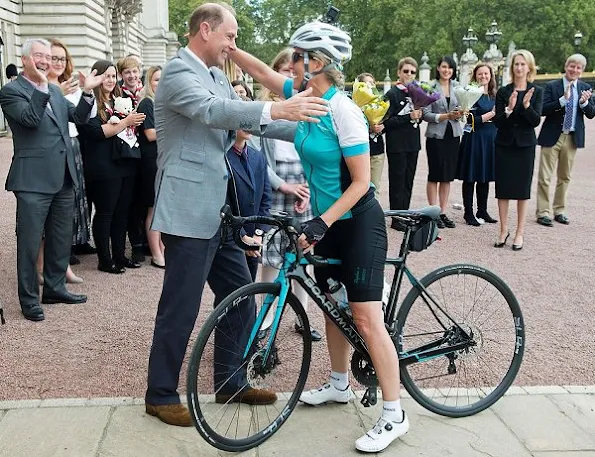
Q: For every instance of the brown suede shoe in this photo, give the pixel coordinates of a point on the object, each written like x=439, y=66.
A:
x=249, y=396
x=176, y=414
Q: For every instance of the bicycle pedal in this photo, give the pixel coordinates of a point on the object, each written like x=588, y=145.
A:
x=370, y=398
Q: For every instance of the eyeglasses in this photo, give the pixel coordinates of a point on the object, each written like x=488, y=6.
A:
x=56, y=59
x=296, y=57
x=409, y=72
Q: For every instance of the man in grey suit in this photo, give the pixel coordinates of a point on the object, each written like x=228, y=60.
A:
x=196, y=114
x=42, y=175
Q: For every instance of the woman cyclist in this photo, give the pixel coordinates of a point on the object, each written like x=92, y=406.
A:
x=348, y=223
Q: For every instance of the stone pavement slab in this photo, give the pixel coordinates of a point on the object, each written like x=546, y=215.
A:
x=52, y=432
x=530, y=425
x=541, y=426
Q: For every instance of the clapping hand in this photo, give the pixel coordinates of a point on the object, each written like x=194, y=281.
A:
x=527, y=97
x=135, y=119
x=585, y=96
x=512, y=100
x=92, y=81
x=568, y=91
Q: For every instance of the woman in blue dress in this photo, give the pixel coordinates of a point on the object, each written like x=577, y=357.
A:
x=476, y=153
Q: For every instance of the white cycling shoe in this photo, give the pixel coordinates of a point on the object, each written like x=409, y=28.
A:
x=326, y=394
x=382, y=434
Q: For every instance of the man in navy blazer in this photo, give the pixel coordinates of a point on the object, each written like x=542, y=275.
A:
x=249, y=168
x=565, y=103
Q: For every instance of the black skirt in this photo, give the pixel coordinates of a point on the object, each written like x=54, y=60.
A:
x=514, y=172
x=443, y=156
x=148, y=171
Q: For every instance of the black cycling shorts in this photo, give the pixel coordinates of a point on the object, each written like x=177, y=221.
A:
x=361, y=244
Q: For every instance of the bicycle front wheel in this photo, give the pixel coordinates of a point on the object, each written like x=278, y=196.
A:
x=468, y=380
x=221, y=369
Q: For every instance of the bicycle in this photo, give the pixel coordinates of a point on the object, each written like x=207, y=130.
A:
x=438, y=330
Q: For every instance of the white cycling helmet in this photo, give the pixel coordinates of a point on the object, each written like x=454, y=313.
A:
x=328, y=39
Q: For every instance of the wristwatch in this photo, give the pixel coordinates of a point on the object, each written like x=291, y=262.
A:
x=258, y=232
x=88, y=94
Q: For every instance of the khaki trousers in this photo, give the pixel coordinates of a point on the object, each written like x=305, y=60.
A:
x=376, y=166
x=559, y=158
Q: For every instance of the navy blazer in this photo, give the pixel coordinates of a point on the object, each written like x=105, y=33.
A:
x=253, y=188
x=518, y=129
x=554, y=114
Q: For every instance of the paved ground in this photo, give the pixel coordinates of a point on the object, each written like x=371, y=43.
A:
x=101, y=348
x=537, y=421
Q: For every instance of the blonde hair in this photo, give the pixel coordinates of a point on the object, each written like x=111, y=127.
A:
x=406, y=61
x=577, y=58
x=333, y=75
x=529, y=58
x=282, y=58
x=148, y=89
x=127, y=62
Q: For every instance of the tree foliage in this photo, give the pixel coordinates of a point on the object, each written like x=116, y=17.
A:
x=383, y=31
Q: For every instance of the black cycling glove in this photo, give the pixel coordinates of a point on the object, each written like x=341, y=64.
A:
x=314, y=229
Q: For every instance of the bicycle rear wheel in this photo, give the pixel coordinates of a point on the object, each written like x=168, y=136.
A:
x=463, y=382
x=226, y=423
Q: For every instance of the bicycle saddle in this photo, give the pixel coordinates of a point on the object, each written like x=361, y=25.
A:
x=428, y=213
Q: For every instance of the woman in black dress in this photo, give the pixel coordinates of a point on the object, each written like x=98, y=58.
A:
x=518, y=112
x=476, y=155
x=402, y=138
x=443, y=135
x=147, y=139
x=110, y=181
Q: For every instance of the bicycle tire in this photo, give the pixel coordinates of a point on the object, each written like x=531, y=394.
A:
x=200, y=422
x=519, y=342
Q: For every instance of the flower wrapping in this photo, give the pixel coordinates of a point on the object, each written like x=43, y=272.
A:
x=421, y=94
x=373, y=105
x=468, y=96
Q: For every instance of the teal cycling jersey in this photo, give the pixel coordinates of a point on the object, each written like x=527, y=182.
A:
x=323, y=147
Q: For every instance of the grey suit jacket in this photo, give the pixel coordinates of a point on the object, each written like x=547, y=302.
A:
x=437, y=129
x=196, y=116
x=42, y=144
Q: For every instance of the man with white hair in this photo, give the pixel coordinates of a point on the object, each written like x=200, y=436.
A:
x=42, y=174
x=565, y=102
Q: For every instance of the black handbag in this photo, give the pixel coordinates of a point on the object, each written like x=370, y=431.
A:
x=123, y=151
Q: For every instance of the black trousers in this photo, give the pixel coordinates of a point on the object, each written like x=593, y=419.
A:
x=401, y=172
x=189, y=263
x=37, y=213
x=137, y=213
x=112, y=199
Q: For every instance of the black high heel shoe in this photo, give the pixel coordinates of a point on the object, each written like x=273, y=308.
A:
x=517, y=247
x=499, y=244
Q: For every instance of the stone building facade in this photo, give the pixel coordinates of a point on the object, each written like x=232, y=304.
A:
x=91, y=29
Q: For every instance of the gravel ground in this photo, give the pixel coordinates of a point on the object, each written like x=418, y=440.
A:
x=101, y=348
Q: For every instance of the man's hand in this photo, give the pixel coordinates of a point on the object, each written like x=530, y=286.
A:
x=33, y=73
x=527, y=97
x=92, y=81
x=568, y=91
x=301, y=191
x=69, y=86
x=585, y=96
x=300, y=107
x=135, y=119
x=253, y=241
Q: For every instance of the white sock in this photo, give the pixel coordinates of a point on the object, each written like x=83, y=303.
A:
x=392, y=412
x=339, y=381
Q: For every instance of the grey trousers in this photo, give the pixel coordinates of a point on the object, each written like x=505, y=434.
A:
x=37, y=214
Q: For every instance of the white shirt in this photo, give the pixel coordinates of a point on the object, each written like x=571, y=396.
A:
x=74, y=98
x=285, y=151
x=265, y=117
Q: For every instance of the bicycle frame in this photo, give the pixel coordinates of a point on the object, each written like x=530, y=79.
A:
x=293, y=269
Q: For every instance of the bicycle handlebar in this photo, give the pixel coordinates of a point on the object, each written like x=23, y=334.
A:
x=237, y=222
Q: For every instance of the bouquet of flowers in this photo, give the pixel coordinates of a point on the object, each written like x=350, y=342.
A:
x=373, y=105
x=421, y=94
x=468, y=95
